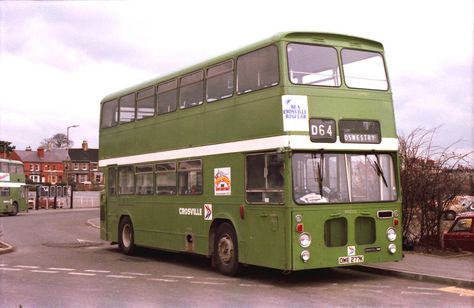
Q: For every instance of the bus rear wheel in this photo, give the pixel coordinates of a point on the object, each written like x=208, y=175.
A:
x=15, y=209
x=126, y=236
x=226, y=252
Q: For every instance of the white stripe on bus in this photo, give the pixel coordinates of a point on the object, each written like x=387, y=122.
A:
x=11, y=184
x=295, y=142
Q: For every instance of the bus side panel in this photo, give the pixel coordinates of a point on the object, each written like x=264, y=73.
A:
x=266, y=236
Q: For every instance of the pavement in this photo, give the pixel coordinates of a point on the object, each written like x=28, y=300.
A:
x=457, y=270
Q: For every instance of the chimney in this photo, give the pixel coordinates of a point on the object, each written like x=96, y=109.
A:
x=40, y=152
x=85, y=146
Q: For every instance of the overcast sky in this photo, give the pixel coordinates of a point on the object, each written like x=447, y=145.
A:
x=60, y=58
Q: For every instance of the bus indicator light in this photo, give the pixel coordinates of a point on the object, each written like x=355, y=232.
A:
x=242, y=211
x=299, y=228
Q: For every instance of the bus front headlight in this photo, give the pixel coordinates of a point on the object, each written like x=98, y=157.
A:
x=305, y=255
x=392, y=248
x=391, y=234
x=305, y=240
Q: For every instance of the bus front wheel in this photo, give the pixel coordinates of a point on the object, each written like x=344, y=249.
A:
x=226, y=252
x=126, y=236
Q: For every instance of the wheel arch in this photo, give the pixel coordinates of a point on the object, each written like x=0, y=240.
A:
x=213, y=229
x=119, y=220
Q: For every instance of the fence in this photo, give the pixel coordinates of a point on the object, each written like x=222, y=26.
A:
x=60, y=197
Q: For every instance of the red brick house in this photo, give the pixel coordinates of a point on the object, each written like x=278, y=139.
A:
x=43, y=166
x=82, y=166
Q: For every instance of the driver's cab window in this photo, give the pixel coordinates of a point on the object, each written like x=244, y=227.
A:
x=265, y=178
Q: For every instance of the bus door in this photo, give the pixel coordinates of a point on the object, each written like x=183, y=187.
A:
x=266, y=212
x=108, y=199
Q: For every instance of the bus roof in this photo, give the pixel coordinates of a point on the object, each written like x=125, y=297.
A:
x=3, y=160
x=333, y=39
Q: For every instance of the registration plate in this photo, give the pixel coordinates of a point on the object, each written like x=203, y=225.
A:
x=351, y=259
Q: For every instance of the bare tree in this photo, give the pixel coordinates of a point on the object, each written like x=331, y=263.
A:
x=58, y=141
x=431, y=177
x=6, y=148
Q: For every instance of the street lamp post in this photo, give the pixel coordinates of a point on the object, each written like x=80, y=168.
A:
x=67, y=148
x=67, y=135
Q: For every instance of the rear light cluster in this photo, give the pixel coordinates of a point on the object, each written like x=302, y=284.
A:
x=304, y=238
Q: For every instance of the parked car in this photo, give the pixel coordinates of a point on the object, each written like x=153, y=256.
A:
x=461, y=204
x=461, y=234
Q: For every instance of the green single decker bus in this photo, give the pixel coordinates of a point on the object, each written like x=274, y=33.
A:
x=13, y=189
x=282, y=154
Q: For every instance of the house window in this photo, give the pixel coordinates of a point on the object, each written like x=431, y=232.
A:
x=53, y=179
x=35, y=178
x=98, y=177
x=84, y=166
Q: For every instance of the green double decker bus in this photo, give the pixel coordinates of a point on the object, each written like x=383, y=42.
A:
x=282, y=154
x=13, y=189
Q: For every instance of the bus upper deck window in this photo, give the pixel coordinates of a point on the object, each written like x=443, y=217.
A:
x=257, y=70
x=146, y=103
x=364, y=69
x=167, y=97
x=110, y=113
x=313, y=65
x=127, y=108
x=191, y=91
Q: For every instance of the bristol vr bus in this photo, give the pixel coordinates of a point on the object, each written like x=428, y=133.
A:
x=13, y=189
x=282, y=154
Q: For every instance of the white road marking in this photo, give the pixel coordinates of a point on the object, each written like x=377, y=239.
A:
x=81, y=274
x=163, y=280
x=61, y=269
x=209, y=283
x=178, y=277
x=363, y=289
x=96, y=271
x=420, y=293
x=27, y=266
x=253, y=285
x=44, y=271
x=121, y=276
x=10, y=269
x=420, y=288
x=135, y=274
x=370, y=286
x=219, y=279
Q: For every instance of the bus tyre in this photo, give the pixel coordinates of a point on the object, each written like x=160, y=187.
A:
x=126, y=236
x=14, y=210
x=226, y=252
